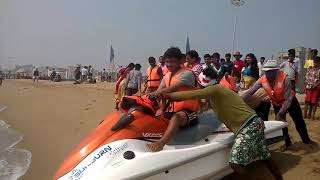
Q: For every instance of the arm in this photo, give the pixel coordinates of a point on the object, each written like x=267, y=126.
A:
x=282, y=65
x=195, y=94
x=252, y=90
x=139, y=82
x=127, y=81
x=288, y=98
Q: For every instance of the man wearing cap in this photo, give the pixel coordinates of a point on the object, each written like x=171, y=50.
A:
x=278, y=87
x=238, y=65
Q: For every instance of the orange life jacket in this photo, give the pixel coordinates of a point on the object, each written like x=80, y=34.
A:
x=153, y=77
x=192, y=105
x=229, y=82
x=141, y=100
x=276, y=93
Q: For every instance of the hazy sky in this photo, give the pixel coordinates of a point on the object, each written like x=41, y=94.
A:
x=67, y=32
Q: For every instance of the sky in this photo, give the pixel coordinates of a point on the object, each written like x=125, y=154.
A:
x=69, y=32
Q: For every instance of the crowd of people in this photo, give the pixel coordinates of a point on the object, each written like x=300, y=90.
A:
x=241, y=92
x=84, y=74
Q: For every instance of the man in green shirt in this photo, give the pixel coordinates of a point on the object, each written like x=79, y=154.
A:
x=249, y=144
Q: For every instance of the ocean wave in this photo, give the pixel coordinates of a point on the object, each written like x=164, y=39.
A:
x=14, y=162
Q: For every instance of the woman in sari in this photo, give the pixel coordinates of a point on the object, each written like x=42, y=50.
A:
x=250, y=72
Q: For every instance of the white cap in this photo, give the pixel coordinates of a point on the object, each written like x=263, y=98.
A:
x=270, y=65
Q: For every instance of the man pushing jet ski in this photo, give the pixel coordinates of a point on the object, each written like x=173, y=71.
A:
x=249, y=144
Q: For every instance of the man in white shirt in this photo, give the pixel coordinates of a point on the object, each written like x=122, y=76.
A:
x=291, y=67
x=84, y=73
x=260, y=66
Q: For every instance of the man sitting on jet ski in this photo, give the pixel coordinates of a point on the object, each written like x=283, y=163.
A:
x=249, y=144
x=182, y=113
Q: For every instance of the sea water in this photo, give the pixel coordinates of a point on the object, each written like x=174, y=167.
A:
x=14, y=162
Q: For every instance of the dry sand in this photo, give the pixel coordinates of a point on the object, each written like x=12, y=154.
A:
x=54, y=117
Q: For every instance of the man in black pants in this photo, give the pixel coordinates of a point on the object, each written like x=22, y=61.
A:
x=279, y=89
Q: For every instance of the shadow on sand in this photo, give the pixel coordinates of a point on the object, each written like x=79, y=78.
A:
x=258, y=171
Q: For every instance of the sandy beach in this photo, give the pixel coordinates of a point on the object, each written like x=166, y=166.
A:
x=54, y=117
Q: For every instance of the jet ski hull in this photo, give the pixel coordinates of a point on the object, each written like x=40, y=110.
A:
x=207, y=158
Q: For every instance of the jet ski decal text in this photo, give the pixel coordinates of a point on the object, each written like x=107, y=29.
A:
x=107, y=151
x=152, y=135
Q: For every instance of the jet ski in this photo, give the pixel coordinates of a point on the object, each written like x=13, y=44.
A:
x=116, y=148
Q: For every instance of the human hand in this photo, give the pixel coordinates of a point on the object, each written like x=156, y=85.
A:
x=279, y=117
x=165, y=95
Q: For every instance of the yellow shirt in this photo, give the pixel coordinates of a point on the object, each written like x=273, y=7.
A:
x=228, y=105
x=308, y=64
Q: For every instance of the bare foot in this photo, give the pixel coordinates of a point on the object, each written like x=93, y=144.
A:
x=155, y=146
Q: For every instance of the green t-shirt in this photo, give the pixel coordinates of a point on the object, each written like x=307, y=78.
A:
x=229, y=106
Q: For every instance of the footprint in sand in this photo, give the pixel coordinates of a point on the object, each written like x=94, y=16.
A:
x=81, y=122
x=94, y=100
x=87, y=107
x=316, y=170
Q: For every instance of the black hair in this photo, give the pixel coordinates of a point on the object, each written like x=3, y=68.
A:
x=206, y=56
x=131, y=65
x=228, y=55
x=183, y=56
x=216, y=55
x=193, y=54
x=263, y=58
x=317, y=59
x=173, y=52
x=314, y=51
x=292, y=52
x=254, y=65
x=209, y=72
x=152, y=59
x=137, y=66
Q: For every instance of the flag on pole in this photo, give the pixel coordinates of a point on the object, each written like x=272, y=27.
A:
x=187, y=45
x=111, y=55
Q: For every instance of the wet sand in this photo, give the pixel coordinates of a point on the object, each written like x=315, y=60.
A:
x=54, y=117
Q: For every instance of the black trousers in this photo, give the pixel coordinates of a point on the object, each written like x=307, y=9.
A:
x=296, y=115
x=263, y=110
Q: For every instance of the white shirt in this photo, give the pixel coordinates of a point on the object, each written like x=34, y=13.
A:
x=291, y=69
x=260, y=66
x=84, y=72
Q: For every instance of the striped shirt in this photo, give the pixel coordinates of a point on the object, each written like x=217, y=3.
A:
x=197, y=69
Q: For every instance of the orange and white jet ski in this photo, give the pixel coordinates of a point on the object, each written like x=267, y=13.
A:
x=116, y=148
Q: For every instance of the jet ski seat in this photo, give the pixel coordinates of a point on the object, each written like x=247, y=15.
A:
x=208, y=124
